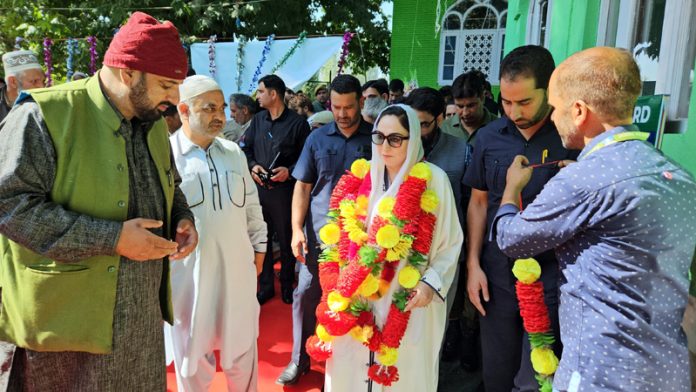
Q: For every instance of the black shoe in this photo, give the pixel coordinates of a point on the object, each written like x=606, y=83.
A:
x=292, y=374
x=264, y=296
x=286, y=295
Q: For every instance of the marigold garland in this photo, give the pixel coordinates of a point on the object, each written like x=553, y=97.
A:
x=535, y=317
x=358, y=266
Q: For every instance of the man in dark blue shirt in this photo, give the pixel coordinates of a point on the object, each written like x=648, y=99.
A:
x=527, y=130
x=272, y=145
x=327, y=154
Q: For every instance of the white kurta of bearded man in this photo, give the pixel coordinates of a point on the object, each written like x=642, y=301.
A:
x=214, y=288
x=346, y=370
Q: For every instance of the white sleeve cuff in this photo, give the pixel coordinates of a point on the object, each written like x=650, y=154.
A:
x=432, y=279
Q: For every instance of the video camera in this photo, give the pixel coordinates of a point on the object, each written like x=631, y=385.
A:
x=266, y=177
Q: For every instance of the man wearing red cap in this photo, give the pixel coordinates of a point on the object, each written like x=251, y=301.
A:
x=90, y=213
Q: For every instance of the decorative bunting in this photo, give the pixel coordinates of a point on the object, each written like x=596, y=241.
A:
x=240, y=60
x=264, y=56
x=211, y=55
x=347, y=37
x=48, y=61
x=300, y=40
x=69, y=66
x=92, y=41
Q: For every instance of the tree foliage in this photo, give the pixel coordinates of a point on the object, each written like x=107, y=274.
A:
x=196, y=20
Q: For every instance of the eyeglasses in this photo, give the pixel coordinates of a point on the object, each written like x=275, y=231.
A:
x=426, y=124
x=394, y=140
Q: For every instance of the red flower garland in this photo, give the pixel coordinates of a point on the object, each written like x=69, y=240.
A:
x=347, y=185
x=408, y=197
x=395, y=326
x=424, y=235
x=533, y=310
x=336, y=323
x=410, y=219
x=351, y=277
x=317, y=349
x=385, y=375
x=328, y=275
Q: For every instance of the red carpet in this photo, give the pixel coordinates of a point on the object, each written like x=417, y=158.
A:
x=275, y=348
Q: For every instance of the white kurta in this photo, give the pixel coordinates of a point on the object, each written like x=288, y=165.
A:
x=214, y=288
x=418, y=359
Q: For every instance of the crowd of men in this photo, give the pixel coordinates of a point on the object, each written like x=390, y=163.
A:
x=121, y=226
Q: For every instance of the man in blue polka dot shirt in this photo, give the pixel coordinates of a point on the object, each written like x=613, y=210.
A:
x=623, y=224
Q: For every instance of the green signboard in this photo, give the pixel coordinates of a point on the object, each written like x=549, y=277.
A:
x=649, y=116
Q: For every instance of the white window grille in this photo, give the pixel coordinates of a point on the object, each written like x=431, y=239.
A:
x=471, y=38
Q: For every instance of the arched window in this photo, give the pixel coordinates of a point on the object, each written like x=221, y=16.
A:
x=472, y=36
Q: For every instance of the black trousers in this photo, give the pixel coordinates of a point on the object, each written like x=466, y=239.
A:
x=276, y=205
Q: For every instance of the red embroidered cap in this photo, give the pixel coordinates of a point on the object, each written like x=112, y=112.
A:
x=144, y=44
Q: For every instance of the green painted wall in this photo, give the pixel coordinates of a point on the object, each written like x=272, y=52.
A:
x=681, y=147
x=415, y=48
x=573, y=27
x=516, y=27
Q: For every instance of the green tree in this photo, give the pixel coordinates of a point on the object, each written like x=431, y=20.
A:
x=196, y=20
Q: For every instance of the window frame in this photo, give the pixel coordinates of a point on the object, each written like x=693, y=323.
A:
x=676, y=60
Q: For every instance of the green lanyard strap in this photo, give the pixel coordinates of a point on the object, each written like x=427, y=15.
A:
x=618, y=138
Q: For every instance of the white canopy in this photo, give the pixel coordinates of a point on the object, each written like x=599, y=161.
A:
x=305, y=62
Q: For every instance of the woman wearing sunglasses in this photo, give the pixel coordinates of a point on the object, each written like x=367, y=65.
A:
x=391, y=248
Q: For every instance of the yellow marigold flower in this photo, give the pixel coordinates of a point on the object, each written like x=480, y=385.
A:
x=361, y=203
x=400, y=250
x=369, y=286
x=388, y=236
x=526, y=270
x=385, y=207
x=383, y=287
x=421, y=170
x=409, y=277
x=361, y=334
x=337, y=302
x=355, y=231
x=347, y=209
x=323, y=334
x=429, y=200
x=360, y=168
x=387, y=356
x=358, y=236
x=544, y=361
x=330, y=234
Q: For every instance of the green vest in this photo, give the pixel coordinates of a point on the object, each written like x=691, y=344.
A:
x=58, y=306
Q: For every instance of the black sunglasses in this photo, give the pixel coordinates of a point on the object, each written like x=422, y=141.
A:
x=394, y=140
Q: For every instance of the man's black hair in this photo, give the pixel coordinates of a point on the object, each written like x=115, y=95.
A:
x=426, y=99
x=380, y=85
x=531, y=61
x=346, y=84
x=396, y=85
x=273, y=82
x=468, y=85
x=243, y=100
x=446, y=92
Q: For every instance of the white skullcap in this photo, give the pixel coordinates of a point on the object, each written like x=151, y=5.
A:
x=196, y=85
x=18, y=61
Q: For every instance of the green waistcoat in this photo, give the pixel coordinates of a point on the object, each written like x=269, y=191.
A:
x=57, y=306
